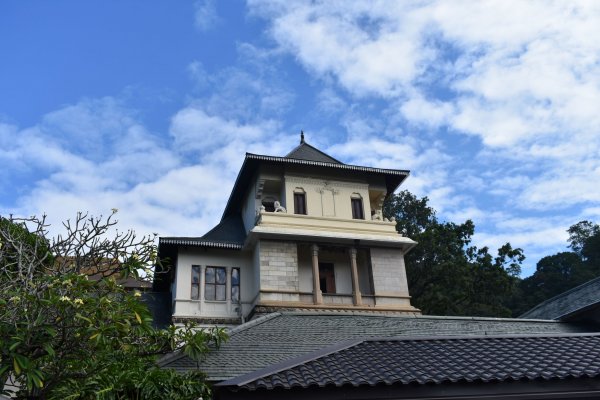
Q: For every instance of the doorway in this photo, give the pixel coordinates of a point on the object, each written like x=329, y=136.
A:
x=326, y=277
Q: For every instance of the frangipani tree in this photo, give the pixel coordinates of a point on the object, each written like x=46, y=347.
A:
x=64, y=335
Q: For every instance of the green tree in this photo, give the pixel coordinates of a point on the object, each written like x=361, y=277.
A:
x=446, y=274
x=65, y=336
x=560, y=272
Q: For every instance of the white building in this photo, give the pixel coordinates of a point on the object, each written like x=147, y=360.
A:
x=304, y=231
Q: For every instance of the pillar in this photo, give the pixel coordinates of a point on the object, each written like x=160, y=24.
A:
x=317, y=295
x=357, y=298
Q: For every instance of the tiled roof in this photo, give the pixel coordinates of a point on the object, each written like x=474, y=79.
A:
x=434, y=360
x=307, y=152
x=229, y=233
x=567, y=303
x=282, y=336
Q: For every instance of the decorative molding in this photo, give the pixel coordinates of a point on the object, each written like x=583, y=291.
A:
x=325, y=182
x=260, y=185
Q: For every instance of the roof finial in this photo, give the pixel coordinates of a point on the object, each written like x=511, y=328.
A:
x=301, y=136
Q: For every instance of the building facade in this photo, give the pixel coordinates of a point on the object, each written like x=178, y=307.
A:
x=300, y=232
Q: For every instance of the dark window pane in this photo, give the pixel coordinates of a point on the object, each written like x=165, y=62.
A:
x=209, y=292
x=235, y=294
x=195, y=292
x=221, y=275
x=210, y=275
x=220, y=292
x=299, y=203
x=195, y=274
x=235, y=276
x=357, y=209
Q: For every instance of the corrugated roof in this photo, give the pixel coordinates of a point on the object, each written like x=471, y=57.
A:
x=436, y=360
x=567, y=303
x=282, y=336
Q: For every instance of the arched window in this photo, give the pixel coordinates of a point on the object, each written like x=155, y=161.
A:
x=356, y=202
x=299, y=201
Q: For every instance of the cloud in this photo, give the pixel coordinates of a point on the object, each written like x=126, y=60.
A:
x=205, y=15
x=491, y=105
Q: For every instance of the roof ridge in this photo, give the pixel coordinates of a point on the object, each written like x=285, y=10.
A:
x=351, y=313
x=252, y=323
x=290, y=363
x=563, y=294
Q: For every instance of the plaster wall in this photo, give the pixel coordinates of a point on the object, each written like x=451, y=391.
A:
x=327, y=198
x=305, y=268
x=341, y=268
x=389, y=273
x=184, y=306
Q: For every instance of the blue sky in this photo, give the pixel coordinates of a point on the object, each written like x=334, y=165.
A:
x=149, y=106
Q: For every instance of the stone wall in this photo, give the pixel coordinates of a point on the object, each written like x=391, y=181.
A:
x=389, y=273
x=278, y=265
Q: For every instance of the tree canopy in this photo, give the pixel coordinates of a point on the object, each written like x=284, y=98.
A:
x=562, y=271
x=447, y=275
x=66, y=336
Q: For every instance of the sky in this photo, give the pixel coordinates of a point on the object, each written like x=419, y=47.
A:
x=149, y=106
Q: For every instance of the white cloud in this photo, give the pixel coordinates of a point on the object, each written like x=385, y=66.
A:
x=519, y=81
x=205, y=15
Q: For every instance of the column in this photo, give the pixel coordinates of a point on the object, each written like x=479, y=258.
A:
x=317, y=295
x=355, y=287
x=228, y=287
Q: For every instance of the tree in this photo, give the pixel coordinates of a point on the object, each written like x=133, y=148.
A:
x=560, y=272
x=446, y=274
x=65, y=336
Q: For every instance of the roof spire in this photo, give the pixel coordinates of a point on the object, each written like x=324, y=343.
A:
x=301, y=136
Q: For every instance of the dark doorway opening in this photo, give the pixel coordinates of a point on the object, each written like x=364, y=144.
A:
x=326, y=277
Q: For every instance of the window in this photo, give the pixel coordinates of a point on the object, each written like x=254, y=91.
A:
x=215, y=281
x=357, y=208
x=299, y=202
x=195, y=282
x=235, y=285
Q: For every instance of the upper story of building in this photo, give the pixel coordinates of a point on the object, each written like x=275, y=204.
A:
x=308, y=192
x=300, y=231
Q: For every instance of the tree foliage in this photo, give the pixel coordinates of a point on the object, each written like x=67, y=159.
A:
x=66, y=336
x=447, y=275
x=560, y=272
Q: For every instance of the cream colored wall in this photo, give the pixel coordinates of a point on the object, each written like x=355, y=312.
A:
x=186, y=307
x=341, y=268
x=327, y=198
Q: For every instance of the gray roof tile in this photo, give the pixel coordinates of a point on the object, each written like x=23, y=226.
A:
x=281, y=336
x=567, y=303
x=305, y=151
x=434, y=360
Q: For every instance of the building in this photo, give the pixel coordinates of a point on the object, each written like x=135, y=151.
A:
x=310, y=279
x=304, y=231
